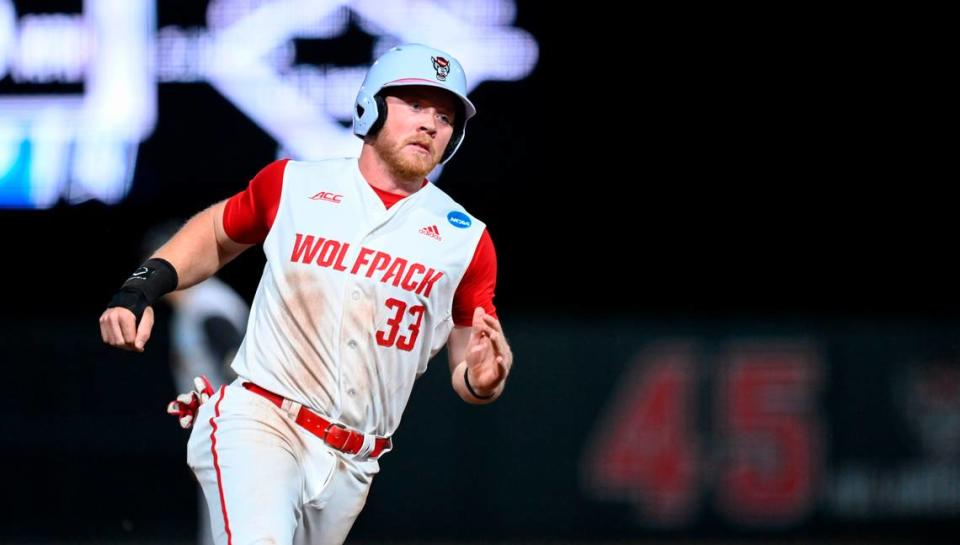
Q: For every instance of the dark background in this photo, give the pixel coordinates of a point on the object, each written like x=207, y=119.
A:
x=731, y=161
x=714, y=175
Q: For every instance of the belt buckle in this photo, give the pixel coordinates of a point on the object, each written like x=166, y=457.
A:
x=330, y=435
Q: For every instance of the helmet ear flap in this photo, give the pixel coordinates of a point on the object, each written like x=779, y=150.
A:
x=459, y=130
x=381, y=115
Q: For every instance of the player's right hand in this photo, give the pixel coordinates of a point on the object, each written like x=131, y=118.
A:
x=186, y=405
x=118, y=327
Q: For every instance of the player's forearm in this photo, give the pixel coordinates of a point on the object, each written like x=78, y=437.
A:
x=200, y=248
x=477, y=396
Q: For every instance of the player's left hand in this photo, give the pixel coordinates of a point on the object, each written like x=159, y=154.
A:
x=186, y=405
x=488, y=355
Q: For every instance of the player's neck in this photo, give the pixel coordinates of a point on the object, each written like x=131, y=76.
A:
x=379, y=175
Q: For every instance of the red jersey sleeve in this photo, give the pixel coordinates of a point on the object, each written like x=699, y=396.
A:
x=477, y=287
x=248, y=215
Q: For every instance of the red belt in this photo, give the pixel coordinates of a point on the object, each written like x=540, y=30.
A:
x=335, y=435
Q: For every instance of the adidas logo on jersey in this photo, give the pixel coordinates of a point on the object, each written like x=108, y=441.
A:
x=431, y=231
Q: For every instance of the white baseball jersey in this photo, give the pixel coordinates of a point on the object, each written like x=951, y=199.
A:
x=355, y=298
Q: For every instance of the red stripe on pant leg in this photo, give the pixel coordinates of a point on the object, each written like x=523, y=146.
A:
x=216, y=465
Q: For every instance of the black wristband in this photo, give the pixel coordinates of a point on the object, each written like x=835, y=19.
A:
x=472, y=392
x=154, y=279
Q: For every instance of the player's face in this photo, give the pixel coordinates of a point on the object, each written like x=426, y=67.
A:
x=418, y=128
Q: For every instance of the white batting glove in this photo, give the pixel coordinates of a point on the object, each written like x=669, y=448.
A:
x=186, y=405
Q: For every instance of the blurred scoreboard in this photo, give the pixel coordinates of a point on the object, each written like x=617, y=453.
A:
x=78, y=81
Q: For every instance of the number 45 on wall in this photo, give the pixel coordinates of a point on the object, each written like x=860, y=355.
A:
x=762, y=459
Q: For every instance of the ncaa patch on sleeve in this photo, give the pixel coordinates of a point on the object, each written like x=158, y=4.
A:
x=459, y=219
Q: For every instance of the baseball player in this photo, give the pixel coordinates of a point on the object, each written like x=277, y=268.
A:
x=370, y=270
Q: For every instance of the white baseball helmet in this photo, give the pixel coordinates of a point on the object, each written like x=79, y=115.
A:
x=411, y=64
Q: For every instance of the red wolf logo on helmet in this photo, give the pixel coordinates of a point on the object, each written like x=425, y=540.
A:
x=442, y=66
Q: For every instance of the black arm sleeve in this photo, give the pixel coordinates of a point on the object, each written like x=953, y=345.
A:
x=155, y=278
